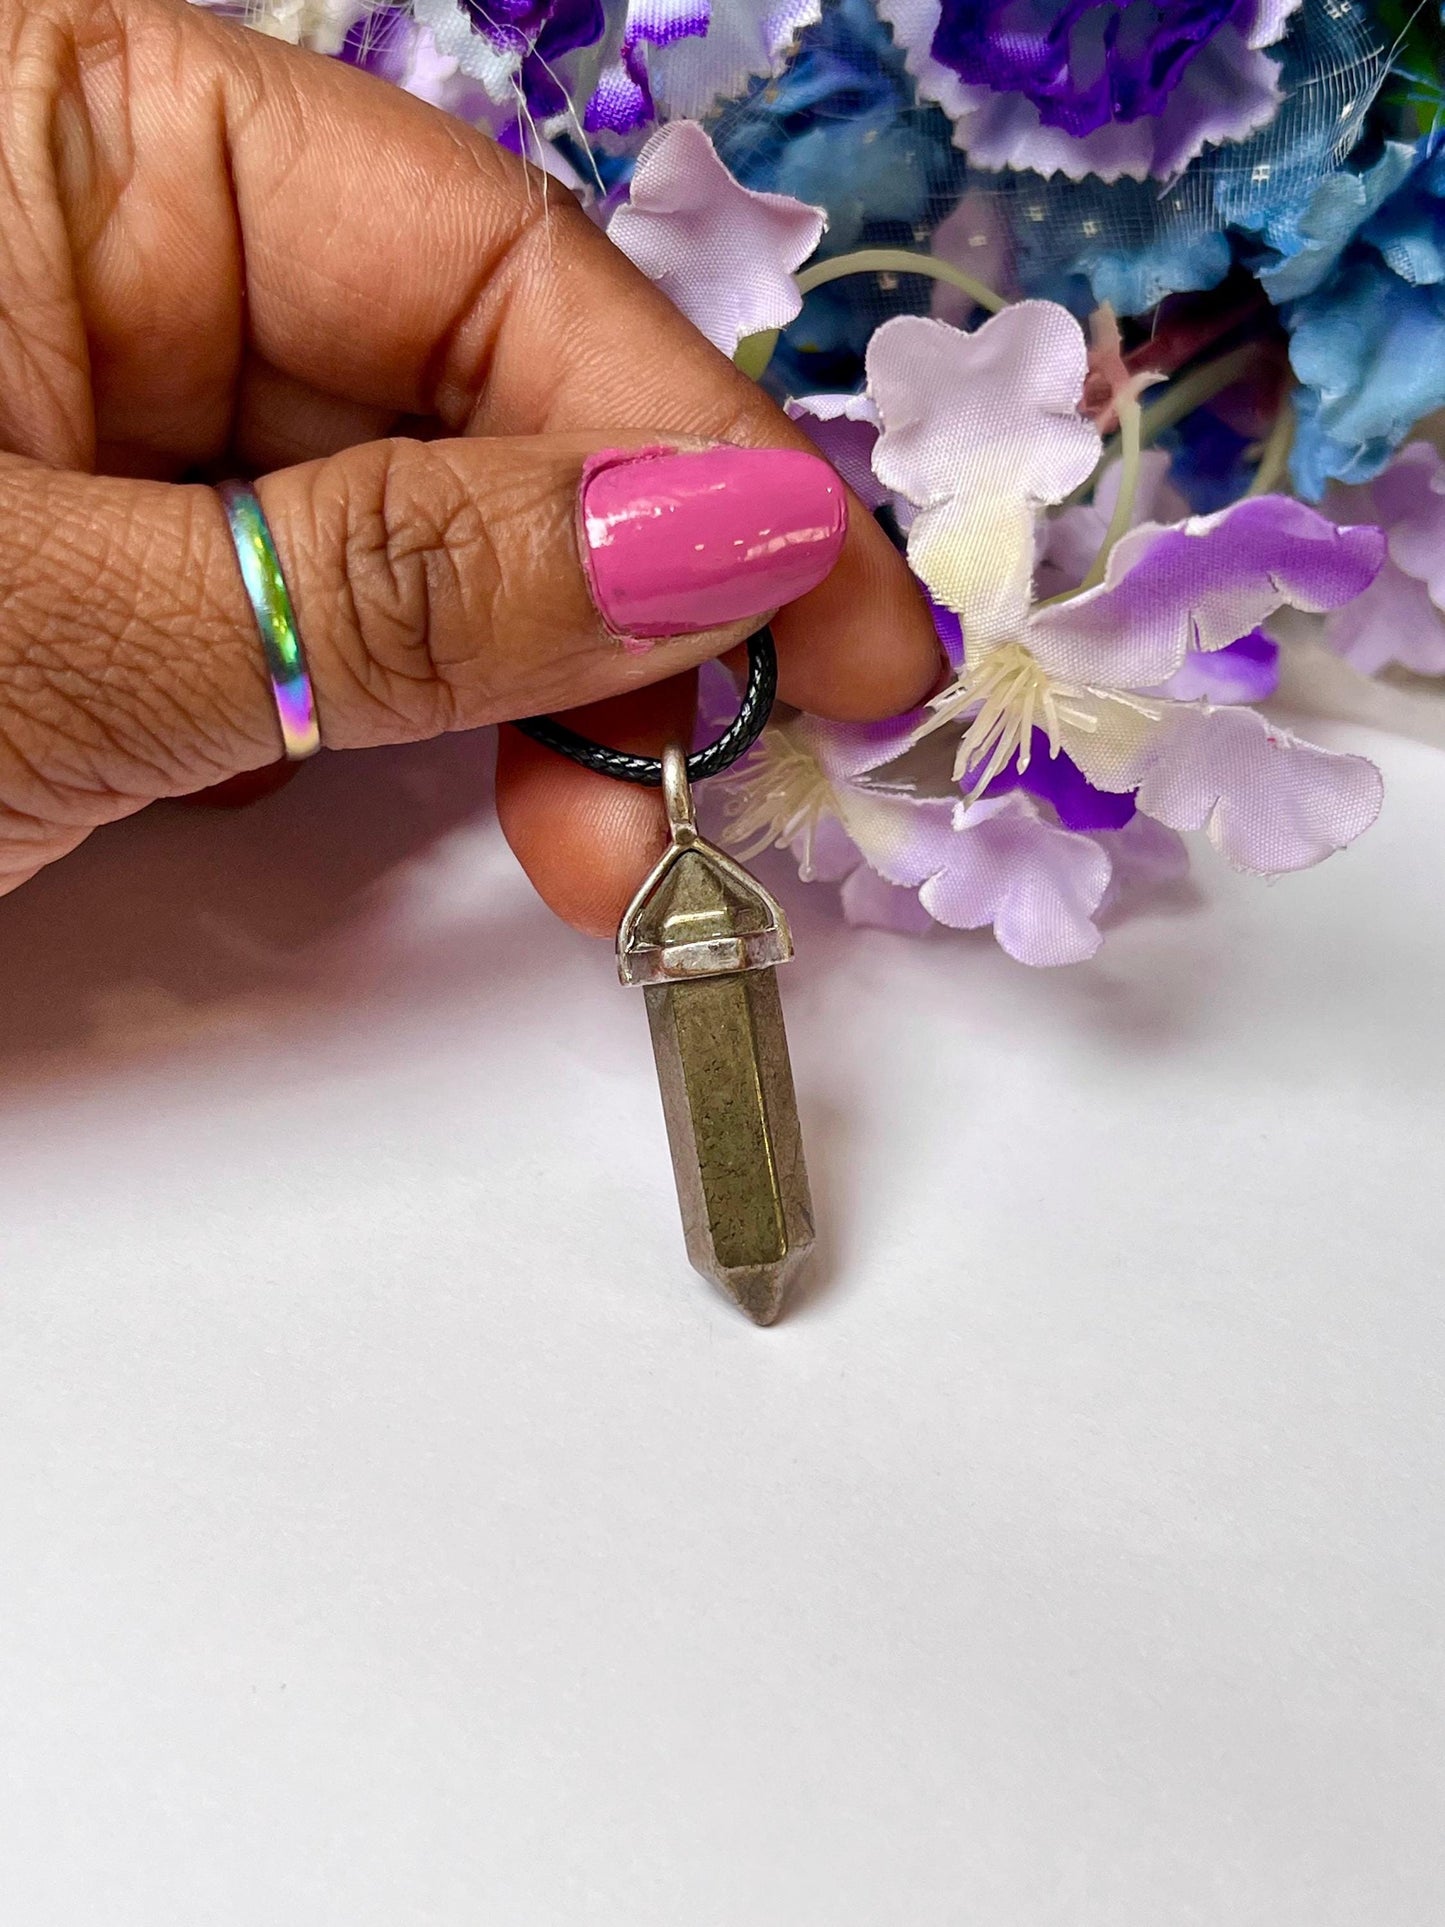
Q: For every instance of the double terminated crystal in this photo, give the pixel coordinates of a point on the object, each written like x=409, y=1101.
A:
x=703, y=938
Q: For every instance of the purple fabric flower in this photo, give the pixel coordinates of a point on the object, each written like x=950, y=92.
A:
x=1063, y=86
x=679, y=58
x=906, y=861
x=724, y=255
x=1082, y=65
x=1056, y=779
x=622, y=100
x=392, y=44
x=1085, y=730
x=976, y=435
x=1246, y=671
x=515, y=48
x=1400, y=619
x=539, y=32
x=380, y=42
x=845, y=427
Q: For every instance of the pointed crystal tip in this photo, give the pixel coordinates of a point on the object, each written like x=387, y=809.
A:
x=759, y=1290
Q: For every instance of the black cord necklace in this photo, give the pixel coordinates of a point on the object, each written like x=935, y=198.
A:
x=736, y=740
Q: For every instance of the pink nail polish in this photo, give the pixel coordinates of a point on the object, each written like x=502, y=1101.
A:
x=675, y=542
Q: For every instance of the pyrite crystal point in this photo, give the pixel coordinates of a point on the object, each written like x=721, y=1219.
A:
x=732, y=1123
x=702, y=937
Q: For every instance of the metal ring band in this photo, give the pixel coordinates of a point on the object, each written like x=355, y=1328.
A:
x=736, y=740
x=276, y=620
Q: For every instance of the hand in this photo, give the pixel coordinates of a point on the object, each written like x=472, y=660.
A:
x=218, y=254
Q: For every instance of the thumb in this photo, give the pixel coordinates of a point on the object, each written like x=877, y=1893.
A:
x=437, y=586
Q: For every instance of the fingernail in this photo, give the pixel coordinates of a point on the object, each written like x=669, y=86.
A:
x=674, y=542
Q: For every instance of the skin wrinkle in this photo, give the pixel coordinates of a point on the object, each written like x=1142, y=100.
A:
x=44, y=363
x=140, y=247
x=417, y=499
x=93, y=707
x=93, y=686
x=464, y=376
x=352, y=636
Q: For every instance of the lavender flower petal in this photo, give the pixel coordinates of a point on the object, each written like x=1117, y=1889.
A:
x=844, y=428
x=1409, y=501
x=722, y=254
x=1145, y=856
x=1037, y=885
x=1269, y=802
x=979, y=430
x=1395, y=622
x=871, y=902
x=1400, y=619
x=1200, y=586
x=1246, y=671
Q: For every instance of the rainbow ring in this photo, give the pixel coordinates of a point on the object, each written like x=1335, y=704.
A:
x=275, y=618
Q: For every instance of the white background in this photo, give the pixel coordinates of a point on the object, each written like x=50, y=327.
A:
x=393, y=1531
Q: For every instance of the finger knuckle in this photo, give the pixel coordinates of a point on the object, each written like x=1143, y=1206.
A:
x=418, y=569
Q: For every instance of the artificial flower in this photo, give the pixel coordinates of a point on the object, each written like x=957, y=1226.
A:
x=905, y=861
x=1369, y=352
x=1368, y=343
x=841, y=128
x=515, y=48
x=1243, y=671
x=1014, y=800
x=723, y=254
x=1303, y=245
x=1260, y=199
x=680, y=58
x=978, y=434
x=391, y=43
x=321, y=25
x=1407, y=230
x=1058, y=86
x=1400, y=619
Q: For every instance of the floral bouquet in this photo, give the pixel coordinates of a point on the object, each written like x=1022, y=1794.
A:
x=1125, y=320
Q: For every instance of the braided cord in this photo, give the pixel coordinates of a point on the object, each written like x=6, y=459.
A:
x=739, y=736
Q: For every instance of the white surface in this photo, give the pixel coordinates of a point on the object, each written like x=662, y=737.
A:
x=394, y=1532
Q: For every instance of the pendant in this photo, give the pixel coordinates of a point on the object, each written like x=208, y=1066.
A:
x=704, y=939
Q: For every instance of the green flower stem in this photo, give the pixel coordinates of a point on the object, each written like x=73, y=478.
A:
x=1274, y=456
x=1131, y=447
x=898, y=261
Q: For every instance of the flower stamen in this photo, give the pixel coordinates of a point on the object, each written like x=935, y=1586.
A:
x=776, y=798
x=1010, y=696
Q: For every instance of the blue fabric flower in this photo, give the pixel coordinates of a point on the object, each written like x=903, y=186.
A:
x=1409, y=230
x=841, y=129
x=1368, y=342
x=1085, y=243
x=1304, y=246
x=1369, y=350
x=1280, y=193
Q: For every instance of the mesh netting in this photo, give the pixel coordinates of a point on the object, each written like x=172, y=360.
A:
x=843, y=127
